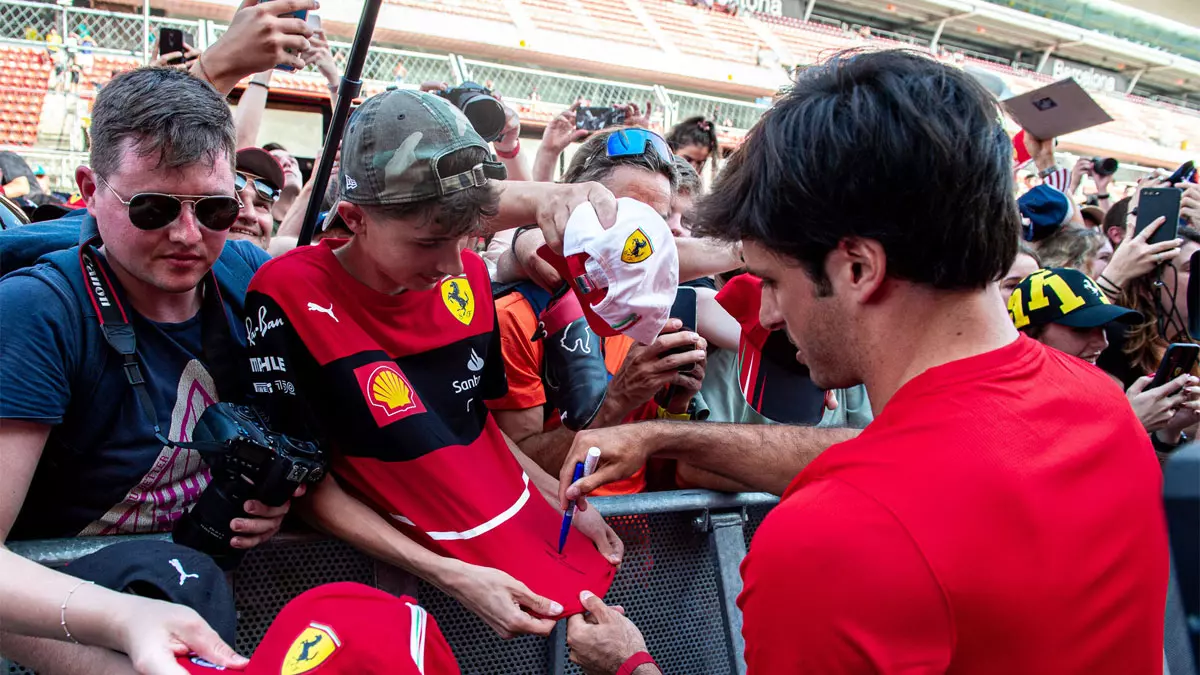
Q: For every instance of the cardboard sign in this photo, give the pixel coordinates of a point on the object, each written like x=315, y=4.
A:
x=1056, y=110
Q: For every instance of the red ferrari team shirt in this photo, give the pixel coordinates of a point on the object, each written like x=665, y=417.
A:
x=395, y=385
x=1001, y=515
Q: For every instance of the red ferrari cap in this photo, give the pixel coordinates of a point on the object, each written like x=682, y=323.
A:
x=347, y=629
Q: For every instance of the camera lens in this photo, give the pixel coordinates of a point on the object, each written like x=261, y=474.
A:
x=485, y=114
x=1104, y=166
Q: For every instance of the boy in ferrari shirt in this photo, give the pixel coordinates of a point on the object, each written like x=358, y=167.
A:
x=385, y=348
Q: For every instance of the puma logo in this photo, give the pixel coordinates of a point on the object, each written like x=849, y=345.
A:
x=183, y=576
x=314, y=307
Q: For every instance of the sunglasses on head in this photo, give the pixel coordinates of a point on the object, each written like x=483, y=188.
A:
x=151, y=210
x=261, y=187
x=633, y=142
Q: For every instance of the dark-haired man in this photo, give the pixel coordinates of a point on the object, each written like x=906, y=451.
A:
x=969, y=528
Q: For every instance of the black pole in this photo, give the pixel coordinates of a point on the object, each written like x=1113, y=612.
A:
x=348, y=90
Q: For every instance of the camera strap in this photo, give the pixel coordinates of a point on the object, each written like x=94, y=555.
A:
x=216, y=335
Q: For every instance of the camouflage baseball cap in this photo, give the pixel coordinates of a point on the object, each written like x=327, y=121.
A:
x=392, y=146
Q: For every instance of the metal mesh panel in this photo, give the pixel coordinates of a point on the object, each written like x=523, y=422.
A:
x=735, y=114
x=477, y=648
x=16, y=16
x=380, y=65
x=109, y=30
x=555, y=88
x=270, y=576
x=754, y=518
x=668, y=587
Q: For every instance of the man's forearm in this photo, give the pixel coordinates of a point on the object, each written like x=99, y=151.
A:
x=706, y=257
x=763, y=457
x=54, y=657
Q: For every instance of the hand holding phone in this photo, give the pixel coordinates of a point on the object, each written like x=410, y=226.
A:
x=1155, y=203
x=592, y=118
x=684, y=309
x=170, y=41
x=1179, y=358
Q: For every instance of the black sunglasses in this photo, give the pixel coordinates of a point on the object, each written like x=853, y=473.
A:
x=151, y=210
x=261, y=187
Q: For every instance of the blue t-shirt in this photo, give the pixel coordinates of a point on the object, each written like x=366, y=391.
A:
x=102, y=470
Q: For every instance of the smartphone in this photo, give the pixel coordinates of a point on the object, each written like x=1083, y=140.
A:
x=1193, y=297
x=1159, y=202
x=171, y=40
x=301, y=14
x=1186, y=173
x=1180, y=358
x=684, y=309
x=595, y=119
x=783, y=390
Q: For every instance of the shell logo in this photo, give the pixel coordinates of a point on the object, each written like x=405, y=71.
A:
x=390, y=392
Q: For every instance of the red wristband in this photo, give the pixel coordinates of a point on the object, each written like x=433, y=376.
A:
x=510, y=155
x=631, y=664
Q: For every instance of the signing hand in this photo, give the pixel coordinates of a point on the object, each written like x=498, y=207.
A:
x=1170, y=406
x=500, y=600
x=263, y=524
x=155, y=633
x=604, y=638
x=555, y=209
x=624, y=450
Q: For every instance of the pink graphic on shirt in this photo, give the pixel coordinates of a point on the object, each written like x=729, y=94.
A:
x=176, y=478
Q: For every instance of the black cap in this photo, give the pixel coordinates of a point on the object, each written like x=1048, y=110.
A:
x=1066, y=297
x=164, y=571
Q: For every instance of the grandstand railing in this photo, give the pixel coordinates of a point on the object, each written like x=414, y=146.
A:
x=726, y=112
x=679, y=583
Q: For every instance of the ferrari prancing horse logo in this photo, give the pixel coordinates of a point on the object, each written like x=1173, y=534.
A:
x=310, y=649
x=637, y=248
x=456, y=293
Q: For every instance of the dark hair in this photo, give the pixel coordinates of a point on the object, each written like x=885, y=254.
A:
x=693, y=131
x=272, y=147
x=689, y=180
x=457, y=214
x=592, y=163
x=1148, y=341
x=836, y=158
x=1115, y=217
x=165, y=112
x=1073, y=247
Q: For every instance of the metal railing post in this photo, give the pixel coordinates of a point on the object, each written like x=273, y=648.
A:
x=728, y=540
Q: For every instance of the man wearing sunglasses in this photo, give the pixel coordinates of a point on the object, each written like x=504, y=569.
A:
x=258, y=181
x=78, y=448
x=637, y=164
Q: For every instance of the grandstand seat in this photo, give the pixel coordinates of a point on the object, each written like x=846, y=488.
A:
x=479, y=9
x=590, y=18
x=23, y=81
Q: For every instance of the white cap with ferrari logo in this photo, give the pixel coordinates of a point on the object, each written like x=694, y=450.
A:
x=626, y=275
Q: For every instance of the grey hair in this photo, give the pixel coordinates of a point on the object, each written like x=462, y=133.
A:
x=689, y=180
x=592, y=163
x=165, y=112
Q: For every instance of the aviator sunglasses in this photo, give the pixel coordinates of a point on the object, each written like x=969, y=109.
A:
x=151, y=210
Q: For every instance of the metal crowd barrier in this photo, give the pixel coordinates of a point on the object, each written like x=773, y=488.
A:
x=679, y=583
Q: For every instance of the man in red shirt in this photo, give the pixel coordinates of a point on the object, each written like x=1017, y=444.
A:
x=980, y=524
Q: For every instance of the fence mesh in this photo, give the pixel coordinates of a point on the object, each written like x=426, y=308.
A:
x=385, y=65
x=17, y=18
x=554, y=88
x=728, y=113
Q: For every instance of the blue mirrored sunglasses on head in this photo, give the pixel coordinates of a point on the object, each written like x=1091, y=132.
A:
x=632, y=142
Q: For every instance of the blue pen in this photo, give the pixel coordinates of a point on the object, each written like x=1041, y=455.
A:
x=570, y=512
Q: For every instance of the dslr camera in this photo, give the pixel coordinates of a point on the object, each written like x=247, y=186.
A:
x=247, y=461
x=1104, y=166
x=483, y=111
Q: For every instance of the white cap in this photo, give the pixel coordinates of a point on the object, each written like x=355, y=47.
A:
x=626, y=275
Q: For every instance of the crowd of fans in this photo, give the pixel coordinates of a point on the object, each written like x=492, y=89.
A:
x=441, y=343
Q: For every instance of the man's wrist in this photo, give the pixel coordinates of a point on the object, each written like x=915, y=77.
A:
x=612, y=411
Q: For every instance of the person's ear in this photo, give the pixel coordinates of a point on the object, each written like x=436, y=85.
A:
x=85, y=180
x=858, y=267
x=352, y=215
